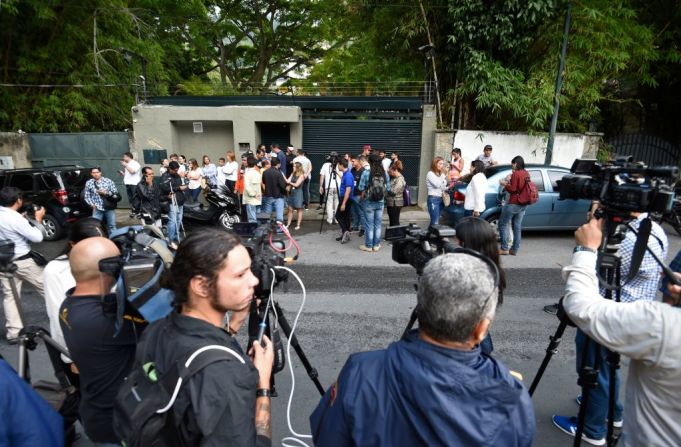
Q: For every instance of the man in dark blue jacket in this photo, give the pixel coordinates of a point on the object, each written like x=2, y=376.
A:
x=435, y=387
x=26, y=418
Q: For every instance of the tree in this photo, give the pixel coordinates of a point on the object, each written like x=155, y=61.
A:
x=62, y=70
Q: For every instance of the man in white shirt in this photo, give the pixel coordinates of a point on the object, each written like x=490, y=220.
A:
x=21, y=231
x=307, y=169
x=221, y=171
x=645, y=331
x=385, y=162
x=131, y=177
x=329, y=187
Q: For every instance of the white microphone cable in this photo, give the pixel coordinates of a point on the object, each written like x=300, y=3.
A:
x=286, y=442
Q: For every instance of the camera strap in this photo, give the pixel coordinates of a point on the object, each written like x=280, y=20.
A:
x=644, y=230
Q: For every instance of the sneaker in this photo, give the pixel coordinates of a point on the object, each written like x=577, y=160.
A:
x=377, y=247
x=568, y=425
x=13, y=340
x=503, y=252
x=361, y=233
x=553, y=310
x=365, y=248
x=616, y=424
x=345, y=238
x=339, y=239
x=512, y=252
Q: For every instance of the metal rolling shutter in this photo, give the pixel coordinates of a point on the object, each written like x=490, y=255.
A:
x=321, y=136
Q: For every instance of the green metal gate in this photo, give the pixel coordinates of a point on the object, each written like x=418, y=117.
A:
x=103, y=149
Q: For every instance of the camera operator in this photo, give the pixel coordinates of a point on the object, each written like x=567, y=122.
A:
x=20, y=230
x=642, y=287
x=226, y=402
x=645, y=331
x=88, y=320
x=434, y=387
x=329, y=182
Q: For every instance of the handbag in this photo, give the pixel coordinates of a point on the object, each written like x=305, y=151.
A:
x=406, y=196
x=446, y=198
x=111, y=202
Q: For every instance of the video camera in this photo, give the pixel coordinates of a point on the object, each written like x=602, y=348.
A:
x=415, y=246
x=332, y=158
x=256, y=238
x=138, y=269
x=621, y=186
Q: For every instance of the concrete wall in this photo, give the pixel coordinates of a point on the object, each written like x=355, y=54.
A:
x=506, y=145
x=15, y=151
x=156, y=127
x=215, y=140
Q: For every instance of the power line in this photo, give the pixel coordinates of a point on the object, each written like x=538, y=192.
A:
x=67, y=85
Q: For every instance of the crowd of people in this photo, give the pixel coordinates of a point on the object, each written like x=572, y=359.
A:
x=441, y=379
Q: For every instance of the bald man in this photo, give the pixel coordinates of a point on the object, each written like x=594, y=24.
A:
x=87, y=317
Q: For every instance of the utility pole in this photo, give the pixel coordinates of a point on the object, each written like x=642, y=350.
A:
x=559, y=85
x=432, y=58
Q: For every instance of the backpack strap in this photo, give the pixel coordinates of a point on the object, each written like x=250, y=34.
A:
x=196, y=361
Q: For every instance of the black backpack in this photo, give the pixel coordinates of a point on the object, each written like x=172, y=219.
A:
x=143, y=409
x=376, y=190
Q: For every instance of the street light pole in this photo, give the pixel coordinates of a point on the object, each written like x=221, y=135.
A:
x=559, y=85
x=128, y=55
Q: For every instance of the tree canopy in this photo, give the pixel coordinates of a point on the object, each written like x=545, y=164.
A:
x=63, y=65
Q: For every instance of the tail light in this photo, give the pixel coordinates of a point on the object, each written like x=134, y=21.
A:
x=61, y=196
x=459, y=196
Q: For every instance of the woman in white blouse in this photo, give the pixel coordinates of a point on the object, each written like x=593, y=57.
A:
x=231, y=170
x=474, y=204
x=436, y=182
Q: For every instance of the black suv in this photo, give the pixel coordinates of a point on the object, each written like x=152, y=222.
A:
x=57, y=188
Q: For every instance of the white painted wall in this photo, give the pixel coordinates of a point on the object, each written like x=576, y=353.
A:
x=506, y=145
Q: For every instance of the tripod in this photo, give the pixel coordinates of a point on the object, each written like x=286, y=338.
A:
x=609, y=275
x=333, y=177
x=28, y=335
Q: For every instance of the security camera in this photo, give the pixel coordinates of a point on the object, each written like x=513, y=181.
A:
x=142, y=78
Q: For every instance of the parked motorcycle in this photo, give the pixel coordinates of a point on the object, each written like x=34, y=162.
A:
x=223, y=209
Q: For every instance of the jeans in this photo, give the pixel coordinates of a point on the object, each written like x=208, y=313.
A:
x=343, y=217
x=174, y=222
x=358, y=215
x=597, y=408
x=511, y=213
x=278, y=203
x=130, y=190
x=434, y=209
x=306, y=192
x=108, y=216
x=374, y=217
x=195, y=193
x=252, y=212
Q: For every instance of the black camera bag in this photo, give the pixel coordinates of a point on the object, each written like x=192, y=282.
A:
x=137, y=420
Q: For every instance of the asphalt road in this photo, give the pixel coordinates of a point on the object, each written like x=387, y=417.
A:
x=360, y=301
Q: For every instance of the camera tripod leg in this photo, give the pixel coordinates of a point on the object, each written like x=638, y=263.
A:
x=613, y=360
x=311, y=371
x=588, y=380
x=412, y=320
x=551, y=349
x=23, y=370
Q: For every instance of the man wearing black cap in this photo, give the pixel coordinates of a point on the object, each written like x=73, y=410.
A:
x=172, y=188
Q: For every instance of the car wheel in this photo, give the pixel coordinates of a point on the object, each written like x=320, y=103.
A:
x=53, y=229
x=227, y=220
